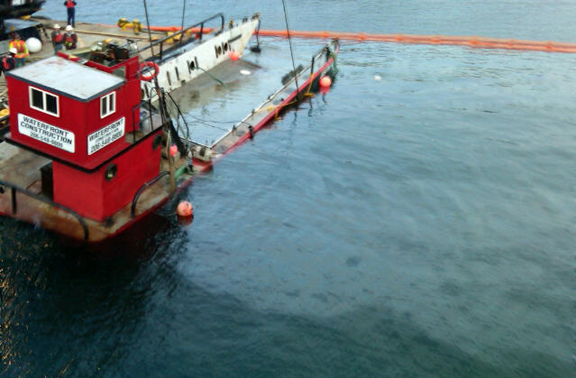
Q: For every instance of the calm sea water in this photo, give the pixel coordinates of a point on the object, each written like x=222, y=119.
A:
x=420, y=225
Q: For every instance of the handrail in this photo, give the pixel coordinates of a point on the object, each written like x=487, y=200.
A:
x=16, y=188
x=138, y=126
x=201, y=24
x=326, y=49
x=142, y=188
x=179, y=115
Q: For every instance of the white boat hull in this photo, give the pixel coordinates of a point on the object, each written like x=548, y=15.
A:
x=190, y=62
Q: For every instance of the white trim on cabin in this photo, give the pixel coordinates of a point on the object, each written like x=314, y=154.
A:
x=43, y=106
x=107, y=105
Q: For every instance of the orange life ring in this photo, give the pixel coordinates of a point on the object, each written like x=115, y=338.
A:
x=146, y=65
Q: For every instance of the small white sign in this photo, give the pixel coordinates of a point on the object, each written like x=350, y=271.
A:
x=106, y=135
x=46, y=133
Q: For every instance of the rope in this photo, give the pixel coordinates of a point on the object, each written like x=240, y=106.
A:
x=213, y=77
x=309, y=87
x=290, y=43
x=335, y=57
x=180, y=115
x=209, y=125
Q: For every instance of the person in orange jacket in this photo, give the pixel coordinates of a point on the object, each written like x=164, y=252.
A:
x=21, y=49
x=71, y=8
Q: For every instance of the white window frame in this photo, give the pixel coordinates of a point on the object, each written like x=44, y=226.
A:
x=110, y=99
x=44, y=95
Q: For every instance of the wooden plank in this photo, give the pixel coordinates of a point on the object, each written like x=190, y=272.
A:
x=20, y=167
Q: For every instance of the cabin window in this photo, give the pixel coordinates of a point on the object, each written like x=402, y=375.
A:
x=44, y=101
x=107, y=104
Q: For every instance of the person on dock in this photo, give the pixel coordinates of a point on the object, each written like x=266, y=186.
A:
x=9, y=61
x=70, y=38
x=21, y=49
x=71, y=8
x=57, y=39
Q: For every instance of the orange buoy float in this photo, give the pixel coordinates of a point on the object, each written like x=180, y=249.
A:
x=173, y=150
x=234, y=55
x=185, y=209
x=325, y=82
x=145, y=66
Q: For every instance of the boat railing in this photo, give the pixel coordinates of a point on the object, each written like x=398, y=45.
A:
x=328, y=51
x=15, y=189
x=146, y=123
x=145, y=186
x=180, y=33
x=324, y=51
x=146, y=119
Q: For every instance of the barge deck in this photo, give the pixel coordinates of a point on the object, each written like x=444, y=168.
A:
x=25, y=196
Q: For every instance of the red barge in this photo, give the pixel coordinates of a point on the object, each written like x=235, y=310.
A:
x=87, y=158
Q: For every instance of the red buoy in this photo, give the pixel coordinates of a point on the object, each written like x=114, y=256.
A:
x=173, y=150
x=234, y=55
x=325, y=82
x=185, y=209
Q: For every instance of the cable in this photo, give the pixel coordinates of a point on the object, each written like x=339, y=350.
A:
x=290, y=43
x=149, y=30
x=213, y=77
x=183, y=13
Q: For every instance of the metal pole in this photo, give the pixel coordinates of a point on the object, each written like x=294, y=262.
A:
x=182, y=27
x=149, y=31
x=291, y=52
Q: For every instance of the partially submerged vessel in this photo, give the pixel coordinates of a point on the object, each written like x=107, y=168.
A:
x=89, y=158
x=186, y=54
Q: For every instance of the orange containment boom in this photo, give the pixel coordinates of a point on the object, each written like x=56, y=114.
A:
x=470, y=41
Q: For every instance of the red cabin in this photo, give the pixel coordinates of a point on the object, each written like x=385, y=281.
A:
x=84, y=117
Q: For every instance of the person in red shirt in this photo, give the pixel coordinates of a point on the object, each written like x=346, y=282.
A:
x=57, y=39
x=71, y=7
